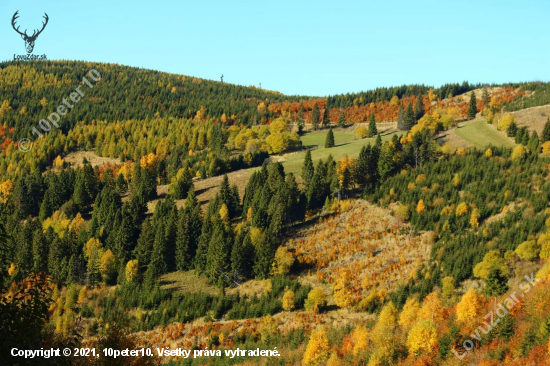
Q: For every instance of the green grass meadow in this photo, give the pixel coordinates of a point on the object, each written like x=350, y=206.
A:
x=480, y=134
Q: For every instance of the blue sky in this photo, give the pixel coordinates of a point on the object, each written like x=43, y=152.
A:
x=297, y=46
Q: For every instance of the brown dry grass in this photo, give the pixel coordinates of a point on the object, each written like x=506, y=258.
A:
x=187, y=282
x=533, y=118
x=75, y=159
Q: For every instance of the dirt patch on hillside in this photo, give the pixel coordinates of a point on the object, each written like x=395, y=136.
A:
x=75, y=159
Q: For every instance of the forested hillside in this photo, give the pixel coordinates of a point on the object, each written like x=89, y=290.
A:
x=389, y=253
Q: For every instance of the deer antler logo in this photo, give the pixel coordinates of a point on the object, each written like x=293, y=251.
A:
x=29, y=40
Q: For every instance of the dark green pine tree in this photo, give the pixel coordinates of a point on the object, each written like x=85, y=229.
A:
x=472, y=110
x=188, y=232
x=419, y=108
x=40, y=248
x=401, y=118
x=329, y=140
x=24, y=246
x=86, y=188
x=546, y=131
x=27, y=194
x=496, y=283
x=265, y=253
x=520, y=135
x=409, y=120
x=512, y=130
x=315, y=117
x=242, y=255
x=145, y=243
x=378, y=142
x=158, y=264
x=123, y=239
x=307, y=170
x=361, y=170
x=226, y=194
x=373, y=131
x=181, y=186
x=206, y=233
x=533, y=144
x=76, y=272
x=386, y=162
x=342, y=119
x=170, y=233
x=235, y=202
x=326, y=116
x=57, y=259
x=219, y=251
x=300, y=122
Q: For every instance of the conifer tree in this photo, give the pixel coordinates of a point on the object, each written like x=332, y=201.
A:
x=409, y=120
x=326, y=118
x=472, y=110
x=378, y=142
x=512, y=130
x=242, y=255
x=188, y=232
x=329, y=141
x=419, y=108
x=533, y=144
x=40, y=248
x=206, y=234
x=265, y=253
x=145, y=243
x=219, y=251
x=401, y=118
x=372, y=126
x=307, y=170
x=315, y=117
x=546, y=131
x=342, y=119
x=301, y=118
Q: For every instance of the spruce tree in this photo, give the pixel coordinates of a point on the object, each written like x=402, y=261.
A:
x=219, y=251
x=401, y=118
x=159, y=256
x=265, y=253
x=373, y=131
x=145, y=243
x=40, y=250
x=307, y=170
x=326, y=117
x=242, y=255
x=546, y=131
x=533, y=144
x=378, y=142
x=329, y=140
x=472, y=110
x=188, y=232
x=409, y=120
x=342, y=119
x=300, y=121
x=419, y=108
x=512, y=130
x=315, y=117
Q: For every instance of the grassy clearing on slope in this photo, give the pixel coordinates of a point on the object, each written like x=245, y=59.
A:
x=480, y=134
x=345, y=145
